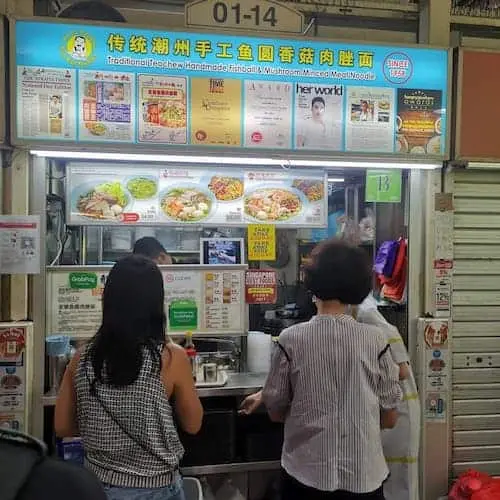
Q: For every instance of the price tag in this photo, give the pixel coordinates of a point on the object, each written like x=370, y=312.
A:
x=383, y=186
x=256, y=15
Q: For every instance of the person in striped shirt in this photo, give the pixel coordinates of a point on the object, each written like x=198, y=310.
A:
x=334, y=384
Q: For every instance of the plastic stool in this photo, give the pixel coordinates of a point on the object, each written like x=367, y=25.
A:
x=192, y=489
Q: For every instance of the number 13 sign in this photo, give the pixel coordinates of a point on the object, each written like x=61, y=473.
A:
x=247, y=15
x=383, y=186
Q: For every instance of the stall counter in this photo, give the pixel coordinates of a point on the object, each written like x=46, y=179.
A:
x=238, y=384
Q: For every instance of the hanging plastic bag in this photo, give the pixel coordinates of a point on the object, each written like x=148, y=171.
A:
x=489, y=491
x=468, y=484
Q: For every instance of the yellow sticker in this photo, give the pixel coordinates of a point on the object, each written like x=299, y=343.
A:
x=261, y=242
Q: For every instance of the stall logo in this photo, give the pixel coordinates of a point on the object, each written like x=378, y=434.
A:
x=86, y=281
x=79, y=49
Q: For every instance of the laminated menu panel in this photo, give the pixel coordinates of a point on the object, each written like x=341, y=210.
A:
x=476, y=322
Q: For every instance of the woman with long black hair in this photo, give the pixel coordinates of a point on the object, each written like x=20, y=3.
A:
x=115, y=393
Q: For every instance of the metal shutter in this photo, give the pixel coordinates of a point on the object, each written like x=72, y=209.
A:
x=476, y=321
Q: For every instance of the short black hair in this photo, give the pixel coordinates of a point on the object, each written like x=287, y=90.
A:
x=339, y=271
x=318, y=99
x=149, y=247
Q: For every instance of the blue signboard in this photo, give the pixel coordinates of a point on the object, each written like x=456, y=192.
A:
x=95, y=84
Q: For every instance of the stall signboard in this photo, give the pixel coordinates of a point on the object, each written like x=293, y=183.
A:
x=383, y=186
x=200, y=299
x=154, y=195
x=117, y=85
x=261, y=242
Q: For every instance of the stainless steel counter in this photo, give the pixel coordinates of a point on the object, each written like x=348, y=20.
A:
x=238, y=384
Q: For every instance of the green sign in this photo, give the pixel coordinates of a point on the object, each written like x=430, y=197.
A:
x=87, y=281
x=383, y=186
x=183, y=315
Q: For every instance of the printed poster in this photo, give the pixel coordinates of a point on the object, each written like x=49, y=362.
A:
x=19, y=244
x=106, y=106
x=268, y=114
x=74, y=302
x=419, y=122
x=370, y=120
x=216, y=111
x=46, y=103
x=318, y=116
x=162, y=109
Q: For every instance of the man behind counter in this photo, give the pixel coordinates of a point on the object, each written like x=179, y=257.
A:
x=150, y=247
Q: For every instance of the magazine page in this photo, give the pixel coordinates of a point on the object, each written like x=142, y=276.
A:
x=318, y=116
x=162, y=109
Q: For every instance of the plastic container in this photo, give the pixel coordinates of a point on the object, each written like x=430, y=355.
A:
x=58, y=345
x=259, y=347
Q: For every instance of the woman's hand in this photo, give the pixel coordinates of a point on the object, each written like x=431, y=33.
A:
x=251, y=403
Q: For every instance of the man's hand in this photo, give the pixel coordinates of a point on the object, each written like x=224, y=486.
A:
x=251, y=403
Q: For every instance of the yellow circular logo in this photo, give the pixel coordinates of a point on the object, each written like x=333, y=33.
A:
x=78, y=49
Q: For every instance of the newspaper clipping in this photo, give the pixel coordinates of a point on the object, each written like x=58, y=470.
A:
x=106, y=106
x=370, y=120
x=46, y=103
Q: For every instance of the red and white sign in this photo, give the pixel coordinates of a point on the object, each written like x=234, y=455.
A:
x=261, y=287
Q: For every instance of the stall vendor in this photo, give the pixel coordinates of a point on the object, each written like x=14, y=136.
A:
x=150, y=247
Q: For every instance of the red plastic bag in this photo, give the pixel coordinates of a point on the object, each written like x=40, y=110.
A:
x=469, y=484
x=490, y=491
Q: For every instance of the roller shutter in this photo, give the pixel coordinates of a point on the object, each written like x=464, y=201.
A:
x=476, y=321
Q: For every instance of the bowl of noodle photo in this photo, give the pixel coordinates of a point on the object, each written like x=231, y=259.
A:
x=187, y=203
x=274, y=204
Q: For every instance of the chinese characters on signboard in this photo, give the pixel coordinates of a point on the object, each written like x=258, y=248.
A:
x=98, y=84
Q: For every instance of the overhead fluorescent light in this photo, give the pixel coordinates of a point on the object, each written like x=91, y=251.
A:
x=334, y=180
x=233, y=160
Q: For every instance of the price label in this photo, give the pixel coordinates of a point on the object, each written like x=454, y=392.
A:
x=383, y=186
x=256, y=15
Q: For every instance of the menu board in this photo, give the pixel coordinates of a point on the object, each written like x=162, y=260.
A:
x=110, y=194
x=201, y=299
x=94, y=84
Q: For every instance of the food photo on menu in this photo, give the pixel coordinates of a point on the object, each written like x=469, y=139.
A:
x=108, y=193
x=268, y=117
x=106, y=106
x=162, y=109
x=284, y=200
x=318, y=116
x=370, y=121
x=419, y=122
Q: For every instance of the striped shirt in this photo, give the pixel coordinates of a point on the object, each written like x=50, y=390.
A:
x=330, y=377
x=128, y=433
